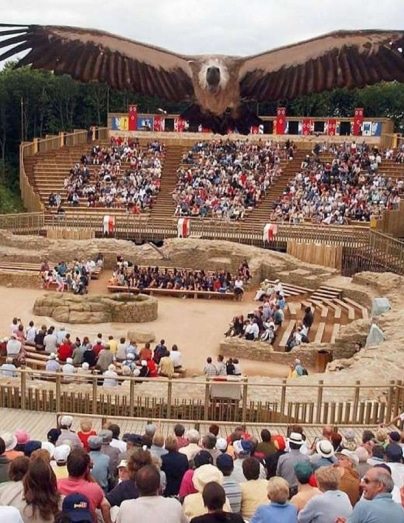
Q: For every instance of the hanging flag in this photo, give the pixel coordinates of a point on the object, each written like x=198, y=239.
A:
x=179, y=125
x=183, y=227
x=158, y=123
x=332, y=127
x=306, y=126
x=270, y=230
x=358, y=121
x=132, y=115
x=281, y=120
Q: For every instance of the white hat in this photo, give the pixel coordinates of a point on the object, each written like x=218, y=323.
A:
x=66, y=421
x=9, y=439
x=111, y=367
x=69, y=360
x=324, y=448
x=85, y=365
x=61, y=453
x=52, y=356
x=205, y=474
x=50, y=447
x=122, y=463
x=143, y=363
x=350, y=455
x=130, y=356
x=221, y=444
x=296, y=438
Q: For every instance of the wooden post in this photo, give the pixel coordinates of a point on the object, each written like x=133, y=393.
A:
x=23, y=378
x=320, y=402
x=207, y=388
x=244, y=401
x=169, y=396
x=58, y=391
x=356, y=401
x=389, y=408
x=283, y=398
x=94, y=394
x=132, y=397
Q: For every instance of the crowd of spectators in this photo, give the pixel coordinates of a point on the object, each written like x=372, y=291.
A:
x=124, y=175
x=108, y=357
x=351, y=187
x=223, y=178
x=130, y=275
x=222, y=368
x=74, y=276
x=187, y=476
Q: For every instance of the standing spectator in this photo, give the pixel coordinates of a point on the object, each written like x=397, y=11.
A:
x=66, y=434
x=287, y=462
x=308, y=318
x=111, y=452
x=209, y=369
x=174, y=464
x=100, y=462
x=85, y=432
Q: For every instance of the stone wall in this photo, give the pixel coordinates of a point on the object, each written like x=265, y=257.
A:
x=123, y=308
x=20, y=279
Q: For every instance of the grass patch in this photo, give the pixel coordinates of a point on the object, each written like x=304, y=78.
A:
x=10, y=202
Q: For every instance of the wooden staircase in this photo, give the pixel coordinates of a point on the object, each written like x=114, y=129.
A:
x=164, y=206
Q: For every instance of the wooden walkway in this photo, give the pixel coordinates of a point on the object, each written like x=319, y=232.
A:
x=37, y=424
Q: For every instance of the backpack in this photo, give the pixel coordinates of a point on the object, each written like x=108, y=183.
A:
x=305, y=372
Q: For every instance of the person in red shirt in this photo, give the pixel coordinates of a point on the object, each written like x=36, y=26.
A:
x=79, y=480
x=152, y=368
x=85, y=432
x=65, y=350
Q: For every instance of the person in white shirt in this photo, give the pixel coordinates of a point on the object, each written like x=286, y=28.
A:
x=30, y=334
x=175, y=355
x=50, y=341
x=13, y=347
x=110, y=376
x=8, y=369
x=60, y=335
x=68, y=369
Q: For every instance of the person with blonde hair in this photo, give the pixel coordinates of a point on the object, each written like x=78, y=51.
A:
x=279, y=510
x=331, y=504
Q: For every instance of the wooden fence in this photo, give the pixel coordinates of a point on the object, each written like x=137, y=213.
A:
x=235, y=401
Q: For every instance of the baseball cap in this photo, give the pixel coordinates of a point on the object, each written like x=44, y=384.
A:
x=221, y=444
x=394, y=452
x=242, y=446
x=77, y=508
x=224, y=462
x=395, y=436
x=303, y=470
x=61, y=453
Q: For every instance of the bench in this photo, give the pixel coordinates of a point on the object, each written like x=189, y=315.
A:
x=319, y=333
x=322, y=307
x=346, y=306
x=288, y=331
x=173, y=292
x=361, y=308
x=336, y=308
x=335, y=331
x=293, y=308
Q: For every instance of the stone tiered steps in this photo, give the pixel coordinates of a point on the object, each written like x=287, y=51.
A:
x=164, y=206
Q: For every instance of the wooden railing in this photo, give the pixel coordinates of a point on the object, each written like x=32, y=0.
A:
x=30, y=198
x=23, y=223
x=348, y=404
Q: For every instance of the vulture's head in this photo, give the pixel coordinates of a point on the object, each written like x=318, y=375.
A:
x=213, y=75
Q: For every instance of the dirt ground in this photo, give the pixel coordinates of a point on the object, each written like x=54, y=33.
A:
x=196, y=326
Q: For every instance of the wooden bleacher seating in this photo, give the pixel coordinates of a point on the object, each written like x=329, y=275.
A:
x=319, y=333
x=363, y=310
x=335, y=331
x=173, y=292
x=287, y=332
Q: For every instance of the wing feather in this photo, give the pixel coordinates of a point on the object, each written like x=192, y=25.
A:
x=91, y=55
x=338, y=59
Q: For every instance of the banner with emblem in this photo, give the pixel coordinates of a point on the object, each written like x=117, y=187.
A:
x=132, y=115
x=158, y=123
x=306, y=126
x=281, y=120
x=270, y=230
x=179, y=125
x=358, y=121
x=120, y=123
x=332, y=127
x=183, y=227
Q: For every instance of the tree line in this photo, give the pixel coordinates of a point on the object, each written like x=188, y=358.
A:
x=35, y=103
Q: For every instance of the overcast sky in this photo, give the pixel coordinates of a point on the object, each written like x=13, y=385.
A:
x=238, y=27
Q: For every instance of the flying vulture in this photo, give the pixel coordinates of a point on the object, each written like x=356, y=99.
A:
x=217, y=85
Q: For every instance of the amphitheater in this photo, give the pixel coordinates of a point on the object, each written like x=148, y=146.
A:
x=337, y=270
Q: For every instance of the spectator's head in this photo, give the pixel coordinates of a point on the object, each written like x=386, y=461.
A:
x=106, y=436
x=204, y=475
x=393, y=453
x=347, y=459
x=251, y=468
x=214, y=429
x=61, y=453
x=158, y=440
x=148, y=480
x=327, y=478
x=278, y=490
x=208, y=359
x=52, y=435
x=150, y=430
x=18, y=468
x=193, y=436
x=303, y=471
x=10, y=441
x=265, y=435
x=31, y=446
x=203, y=457
x=171, y=444
x=214, y=496
x=225, y=464
x=209, y=441
x=376, y=481
x=377, y=451
x=76, y=508
x=94, y=442
x=86, y=425
x=295, y=440
x=336, y=440
x=138, y=459
x=179, y=430
x=78, y=463
x=65, y=422
x=327, y=432
x=115, y=429
x=221, y=444
x=242, y=448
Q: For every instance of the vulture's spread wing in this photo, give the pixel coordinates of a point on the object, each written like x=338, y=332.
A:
x=91, y=55
x=340, y=59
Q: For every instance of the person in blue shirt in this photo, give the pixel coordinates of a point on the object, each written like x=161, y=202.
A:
x=377, y=505
x=279, y=510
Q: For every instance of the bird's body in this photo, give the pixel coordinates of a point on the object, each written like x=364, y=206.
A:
x=216, y=85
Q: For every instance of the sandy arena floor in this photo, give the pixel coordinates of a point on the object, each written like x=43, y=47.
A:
x=196, y=326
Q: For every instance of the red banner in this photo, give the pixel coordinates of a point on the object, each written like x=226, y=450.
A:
x=158, y=124
x=332, y=127
x=358, y=121
x=179, y=125
x=306, y=126
x=132, y=116
x=281, y=120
